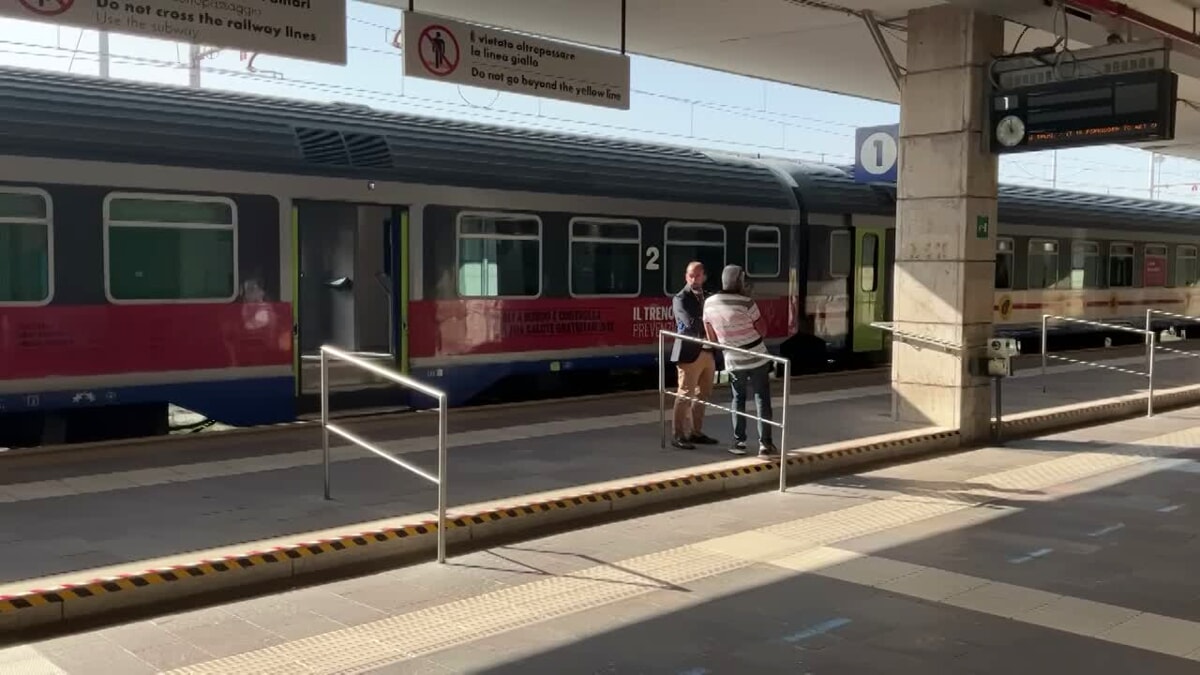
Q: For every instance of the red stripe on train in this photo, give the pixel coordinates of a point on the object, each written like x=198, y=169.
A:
x=111, y=339
x=484, y=326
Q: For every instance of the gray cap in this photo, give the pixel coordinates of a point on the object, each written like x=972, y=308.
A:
x=731, y=277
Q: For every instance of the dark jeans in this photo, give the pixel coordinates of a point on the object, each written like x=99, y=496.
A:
x=759, y=380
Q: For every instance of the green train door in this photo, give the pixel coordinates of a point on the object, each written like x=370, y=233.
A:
x=870, y=300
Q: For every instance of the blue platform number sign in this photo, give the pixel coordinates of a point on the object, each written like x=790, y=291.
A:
x=878, y=150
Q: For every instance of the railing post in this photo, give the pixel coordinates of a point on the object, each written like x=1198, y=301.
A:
x=325, y=417
x=1045, y=319
x=1150, y=363
x=662, y=389
x=442, y=477
x=783, y=425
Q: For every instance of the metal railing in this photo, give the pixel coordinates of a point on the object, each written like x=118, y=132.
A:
x=328, y=352
x=913, y=337
x=1196, y=319
x=787, y=390
x=1150, y=347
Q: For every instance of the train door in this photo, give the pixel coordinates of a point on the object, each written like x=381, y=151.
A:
x=350, y=293
x=869, y=287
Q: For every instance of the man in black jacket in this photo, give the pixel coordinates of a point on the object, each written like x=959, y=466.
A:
x=695, y=363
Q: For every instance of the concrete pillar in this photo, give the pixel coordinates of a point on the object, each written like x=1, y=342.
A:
x=947, y=197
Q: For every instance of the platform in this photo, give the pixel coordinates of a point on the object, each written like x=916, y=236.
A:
x=1073, y=552
x=70, y=517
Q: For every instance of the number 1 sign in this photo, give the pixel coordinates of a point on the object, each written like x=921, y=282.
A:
x=876, y=154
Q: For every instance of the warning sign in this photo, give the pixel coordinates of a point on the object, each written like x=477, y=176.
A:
x=47, y=7
x=439, y=50
x=305, y=29
x=479, y=56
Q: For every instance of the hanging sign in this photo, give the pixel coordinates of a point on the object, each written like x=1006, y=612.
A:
x=306, y=29
x=440, y=49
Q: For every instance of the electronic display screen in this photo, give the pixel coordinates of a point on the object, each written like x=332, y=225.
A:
x=1123, y=108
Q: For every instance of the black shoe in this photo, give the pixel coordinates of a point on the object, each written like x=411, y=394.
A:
x=679, y=442
x=767, y=449
x=738, y=448
x=702, y=439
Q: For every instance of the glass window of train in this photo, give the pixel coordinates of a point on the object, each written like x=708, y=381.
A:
x=763, y=251
x=1188, y=271
x=1005, y=263
x=841, y=254
x=869, y=280
x=1120, y=265
x=26, y=247
x=1086, y=265
x=685, y=242
x=1043, y=263
x=170, y=248
x=499, y=255
x=606, y=257
x=1154, y=265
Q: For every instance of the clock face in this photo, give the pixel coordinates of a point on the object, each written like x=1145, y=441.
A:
x=1010, y=130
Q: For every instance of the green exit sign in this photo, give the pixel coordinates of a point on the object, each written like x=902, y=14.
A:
x=981, y=227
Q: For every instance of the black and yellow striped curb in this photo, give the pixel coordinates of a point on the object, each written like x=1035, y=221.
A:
x=55, y=604
x=1035, y=422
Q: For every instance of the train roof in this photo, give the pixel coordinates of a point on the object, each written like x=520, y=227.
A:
x=78, y=117
x=832, y=189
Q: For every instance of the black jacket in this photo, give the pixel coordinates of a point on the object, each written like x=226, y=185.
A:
x=689, y=320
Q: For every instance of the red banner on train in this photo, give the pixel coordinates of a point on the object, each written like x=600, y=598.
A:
x=446, y=328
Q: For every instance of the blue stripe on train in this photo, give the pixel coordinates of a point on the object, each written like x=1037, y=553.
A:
x=464, y=382
x=237, y=402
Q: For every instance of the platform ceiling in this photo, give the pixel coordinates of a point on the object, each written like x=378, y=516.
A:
x=822, y=44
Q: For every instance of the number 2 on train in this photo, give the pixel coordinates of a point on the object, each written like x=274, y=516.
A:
x=652, y=258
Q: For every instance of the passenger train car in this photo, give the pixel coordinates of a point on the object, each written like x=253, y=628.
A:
x=162, y=245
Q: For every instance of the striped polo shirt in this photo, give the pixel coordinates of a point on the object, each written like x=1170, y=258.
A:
x=732, y=318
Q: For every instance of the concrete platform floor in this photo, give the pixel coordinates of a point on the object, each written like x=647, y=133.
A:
x=1072, y=553
x=75, y=516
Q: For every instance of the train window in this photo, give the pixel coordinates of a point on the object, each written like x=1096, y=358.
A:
x=1120, y=265
x=869, y=280
x=163, y=248
x=606, y=257
x=1154, y=267
x=1005, y=262
x=1187, y=269
x=1085, y=265
x=840, y=254
x=499, y=255
x=26, y=247
x=763, y=251
x=1043, y=263
x=685, y=242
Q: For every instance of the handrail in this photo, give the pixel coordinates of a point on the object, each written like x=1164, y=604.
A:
x=1151, y=312
x=1173, y=315
x=404, y=381
x=1150, y=347
x=663, y=393
x=891, y=327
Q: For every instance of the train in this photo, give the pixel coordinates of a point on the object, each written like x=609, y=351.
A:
x=171, y=246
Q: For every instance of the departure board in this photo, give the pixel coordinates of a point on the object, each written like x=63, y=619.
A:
x=1121, y=108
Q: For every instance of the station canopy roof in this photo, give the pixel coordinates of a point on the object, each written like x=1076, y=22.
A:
x=826, y=44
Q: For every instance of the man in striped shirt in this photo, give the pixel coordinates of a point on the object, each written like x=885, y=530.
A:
x=731, y=318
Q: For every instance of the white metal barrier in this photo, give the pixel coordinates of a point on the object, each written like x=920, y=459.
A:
x=787, y=390
x=328, y=352
x=890, y=327
x=1150, y=313
x=1150, y=348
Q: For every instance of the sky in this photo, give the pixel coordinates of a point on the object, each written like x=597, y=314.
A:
x=671, y=103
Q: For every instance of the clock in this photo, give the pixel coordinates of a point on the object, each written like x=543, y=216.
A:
x=1010, y=131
